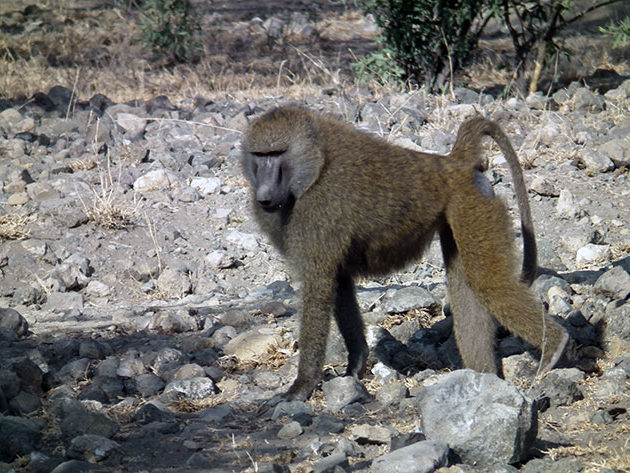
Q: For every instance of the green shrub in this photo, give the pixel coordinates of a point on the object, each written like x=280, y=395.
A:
x=170, y=27
x=427, y=39
x=620, y=32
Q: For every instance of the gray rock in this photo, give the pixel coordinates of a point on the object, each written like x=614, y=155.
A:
x=592, y=254
x=420, y=457
x=614, y=283
x=372, y=434
x=81, y=422
x=92, y=448
x=344, y=390
x=132, y=124
x=408, y=298
x=130, y=366
x=560, y=386
x=291, y=408
x=617, y=150
x=25, y=403
x=73, y=371
x=392, y=393
x=206, y=185
x=174, y=283
x=290, y=430
x=170, y=323
x=585, y=100
x=566, y=207
x=148, y=384
x=484, y=419
x=158, y=179
x=617, y=322
x=12, y=321
x=194, y=388
x=200, y=461
x=168, y=359
x=19, y=436
x=64, y=301
x=543, y=186
x=335, y=463
x=596, y=161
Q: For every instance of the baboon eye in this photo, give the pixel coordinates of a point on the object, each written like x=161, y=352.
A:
x=268, y=154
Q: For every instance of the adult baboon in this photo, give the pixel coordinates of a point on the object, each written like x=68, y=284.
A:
x=341, y=203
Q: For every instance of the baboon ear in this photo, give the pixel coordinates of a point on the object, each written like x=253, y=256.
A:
x=305, y=172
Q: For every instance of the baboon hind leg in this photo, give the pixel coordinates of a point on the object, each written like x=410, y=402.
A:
x=350, y=325
x=474, y=327
x=482, y=232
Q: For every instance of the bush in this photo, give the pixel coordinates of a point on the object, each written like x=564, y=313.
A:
x=170, y=27
x=620, y=32
x=427, y=39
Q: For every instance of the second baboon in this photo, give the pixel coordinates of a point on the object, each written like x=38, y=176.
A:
x=340, y=203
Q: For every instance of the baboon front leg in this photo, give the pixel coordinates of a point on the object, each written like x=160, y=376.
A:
x=318, y=300
x=482, y=232
x=474, y=327
x=350, y=325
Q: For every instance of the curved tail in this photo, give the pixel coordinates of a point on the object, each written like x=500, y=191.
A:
x=468, y=146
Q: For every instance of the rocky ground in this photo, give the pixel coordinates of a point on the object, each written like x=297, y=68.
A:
x=144, y=321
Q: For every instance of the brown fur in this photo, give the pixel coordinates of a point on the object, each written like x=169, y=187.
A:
x=340, y=203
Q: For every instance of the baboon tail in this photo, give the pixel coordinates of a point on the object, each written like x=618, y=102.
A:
x=468, y=146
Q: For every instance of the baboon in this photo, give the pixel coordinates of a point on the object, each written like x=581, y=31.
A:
x=341, y=203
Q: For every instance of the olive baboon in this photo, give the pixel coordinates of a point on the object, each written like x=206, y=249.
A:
x=339, y=203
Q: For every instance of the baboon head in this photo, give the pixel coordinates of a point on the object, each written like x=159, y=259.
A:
x=280, y=157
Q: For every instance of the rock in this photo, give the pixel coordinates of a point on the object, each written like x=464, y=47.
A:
x=614, y=283
x=170, y=323
x=91, y=448
x=372, y=434
x=585, y=100
x=206, y=185
x=174, y=283
x=97, y=289
x=159, y=179
x=337, y=462
x=392, y=393
x=596, y=161
x=408, y=298
x=344, y=390
x=12, y=321
x=420, y=457
x=220, y=259
x=19, y=436
x=194, y=388
x=291, y=408
x=483, y=419
x=252, y=344
x=75, y=466
x=560, y=387
x=132, y=124
x=592, y=254
x=25, y=403
x=566, y=207
x=615, y=150
x=148, y=384
x=81, y=422
x=543, y=186
x=290, y=431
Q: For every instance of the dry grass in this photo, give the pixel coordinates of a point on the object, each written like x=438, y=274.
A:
x=13, y=227
x=106, y=208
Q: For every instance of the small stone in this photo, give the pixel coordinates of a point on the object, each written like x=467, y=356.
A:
x=542, y=186
x=290, y=430
x=614, y=283
x=592, y=254
x=194, y=388
x=408, y=298
x=19, y=198
x=132, y=124
x=344, y=390
x=596, y=162
x=371, y=434
x=12, y=320
x=420, y=457
x=158, y=179
x=92, y=448
x=206, y=185
x=566, y=207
